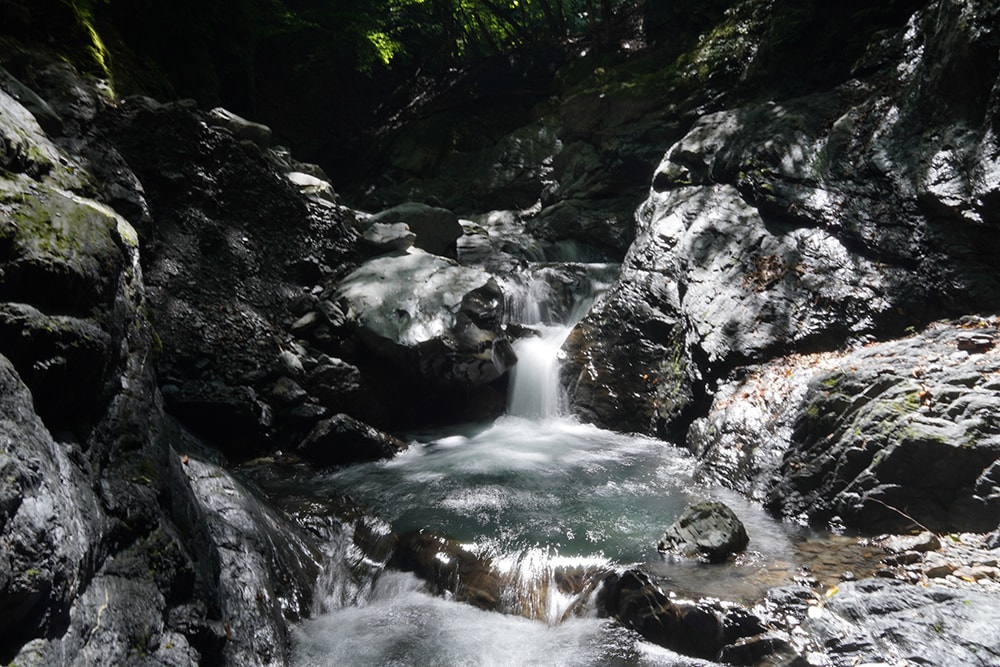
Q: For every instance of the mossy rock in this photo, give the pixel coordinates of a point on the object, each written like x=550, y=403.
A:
x=65, y=252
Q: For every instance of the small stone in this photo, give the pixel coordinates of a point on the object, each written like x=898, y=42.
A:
x=977, y=572
x=939, y=571
x=925, y=541
x=305, y=324
x=291, y=362
x=287, y=391
x=975, y=342
x=905, y=558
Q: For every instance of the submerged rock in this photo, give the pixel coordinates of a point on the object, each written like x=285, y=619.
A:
x=450, y=568
x=710, y=529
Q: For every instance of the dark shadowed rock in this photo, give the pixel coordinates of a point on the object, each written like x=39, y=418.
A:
x=234, y=239
x=437, y=229
x=340, y=440
x=710, y=529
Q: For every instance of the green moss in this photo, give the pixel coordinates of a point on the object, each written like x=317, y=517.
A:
x=832, y=381
x=97, y=52
x=146, y=472
x=912, y=401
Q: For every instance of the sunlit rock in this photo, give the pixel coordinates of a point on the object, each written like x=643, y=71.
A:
x=425, y=313
x=241, y=128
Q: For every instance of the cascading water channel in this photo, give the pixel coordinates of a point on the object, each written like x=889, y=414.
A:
x=535, y=390
x=546, y=502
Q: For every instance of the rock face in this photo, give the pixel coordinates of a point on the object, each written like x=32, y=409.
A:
x=799, y=224
x=710, y=529
x=802, y=224
x=892, y=436
x=874, y=621
x=225, y=256
x=125, y=541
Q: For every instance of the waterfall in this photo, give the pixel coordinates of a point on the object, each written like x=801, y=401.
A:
x=549, y=302
x=535, y=391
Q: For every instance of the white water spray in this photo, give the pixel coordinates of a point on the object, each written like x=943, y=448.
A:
x=535, y=391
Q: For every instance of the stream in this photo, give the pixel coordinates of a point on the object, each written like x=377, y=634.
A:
x=536, y=492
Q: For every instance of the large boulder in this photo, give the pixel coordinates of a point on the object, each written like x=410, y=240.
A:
x=900, y=434
x=437, y=229
x=704, y=629
x=437, y=325
x=342, y=439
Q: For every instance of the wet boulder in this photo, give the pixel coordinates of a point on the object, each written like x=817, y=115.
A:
x=51, y=523
x=704, y=629
x=437, y=229
x=450, y=568
x=430, y=316
x=341, y=440
x=709, y=529
x=262, y=567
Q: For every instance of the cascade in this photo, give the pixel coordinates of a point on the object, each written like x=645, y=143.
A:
x=535, y=390
x=550, y=504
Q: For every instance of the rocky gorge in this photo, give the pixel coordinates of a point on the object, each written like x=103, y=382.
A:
x=799, y=292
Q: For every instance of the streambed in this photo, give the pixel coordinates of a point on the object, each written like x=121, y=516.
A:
x=533, y=494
